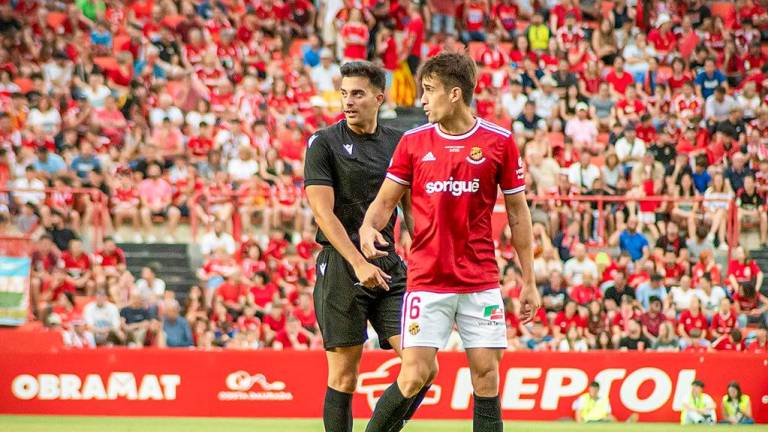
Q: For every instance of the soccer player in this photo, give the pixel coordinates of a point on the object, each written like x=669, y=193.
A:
x=344, y=168
x=453, y=167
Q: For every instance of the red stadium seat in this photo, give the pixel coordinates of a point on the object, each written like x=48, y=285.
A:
x=606, y=8
x=476, y=49
x=726, y=11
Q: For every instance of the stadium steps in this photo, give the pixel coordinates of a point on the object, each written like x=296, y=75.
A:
x=170, y=260
x=407, y=118
x=761, y=258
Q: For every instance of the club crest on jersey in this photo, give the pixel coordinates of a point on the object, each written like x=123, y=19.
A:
x=414, y=329
x=476, y=156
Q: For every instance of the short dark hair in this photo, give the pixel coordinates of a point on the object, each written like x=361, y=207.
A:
x=452, y=70
x=365, y=69
x=594, y=384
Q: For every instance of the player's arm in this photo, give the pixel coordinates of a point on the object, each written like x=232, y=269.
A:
x=519, y=217
x=319, y=181
x=405, y=206
x=378, y=215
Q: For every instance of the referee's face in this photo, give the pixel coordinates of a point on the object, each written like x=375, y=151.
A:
x=361, y=101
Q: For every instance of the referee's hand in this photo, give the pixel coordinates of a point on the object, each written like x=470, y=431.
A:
x=369, y=240
x=371, y=276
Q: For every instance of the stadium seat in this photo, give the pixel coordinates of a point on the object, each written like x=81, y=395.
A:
x=556, y=139
x=725, y=10
x=606, y=8
x=476, y=49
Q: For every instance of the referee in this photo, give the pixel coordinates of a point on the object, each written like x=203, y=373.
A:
x=344, y=167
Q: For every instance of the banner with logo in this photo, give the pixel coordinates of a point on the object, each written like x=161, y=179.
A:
x=534, y=386
x=14, y=290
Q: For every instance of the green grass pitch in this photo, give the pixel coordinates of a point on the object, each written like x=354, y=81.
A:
x=187, y=424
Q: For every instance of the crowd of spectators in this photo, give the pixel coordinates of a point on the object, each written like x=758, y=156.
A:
x=168, y=111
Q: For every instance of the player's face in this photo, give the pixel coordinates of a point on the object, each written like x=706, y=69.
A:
x=360, y=100
x=437, y=100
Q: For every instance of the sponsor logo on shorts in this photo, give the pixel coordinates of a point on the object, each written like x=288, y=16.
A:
x=414, y=329
x=493, y=312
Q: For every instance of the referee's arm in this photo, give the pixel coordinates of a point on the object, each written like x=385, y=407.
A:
x=319, y=187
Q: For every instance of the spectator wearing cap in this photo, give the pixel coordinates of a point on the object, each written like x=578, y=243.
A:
x=546, y=99
x=576, y=267
x=652, y=288
x=629, y=148
x=103, y=318
x=602, y=106
x=583, y=173
x=583, y=130
x=698, y=407
x=326, y=74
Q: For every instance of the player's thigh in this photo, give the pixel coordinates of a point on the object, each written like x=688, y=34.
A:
x=427, y=319
x=341, y=320
x=385, y=307
x=480, y=317
x=343, y=366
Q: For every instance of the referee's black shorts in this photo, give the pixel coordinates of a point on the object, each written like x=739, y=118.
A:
x=343, y=309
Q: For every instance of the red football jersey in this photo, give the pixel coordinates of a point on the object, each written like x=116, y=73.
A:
x=454, y=181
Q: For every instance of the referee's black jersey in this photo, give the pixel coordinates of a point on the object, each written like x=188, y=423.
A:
x=355, y=166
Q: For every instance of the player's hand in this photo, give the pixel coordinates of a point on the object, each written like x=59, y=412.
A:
x=371, y=276
x=369, y=240
x=530, y=302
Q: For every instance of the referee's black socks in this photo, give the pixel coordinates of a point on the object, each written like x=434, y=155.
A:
x=412, y=409
x=337, y=411
x=390, y=410
x=487, y=415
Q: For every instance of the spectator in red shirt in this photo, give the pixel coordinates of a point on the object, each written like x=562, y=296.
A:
x=730, y=342
x=414, y=37
x=293, y=336
x=653, y=319
x=474, y=17
x=274, y=322
x=586, y=291
x=724, y=320
x=232, y=294
x=355, y=36
x=663, y=39
x=691, y=318
x=741, y=269
x=77, y=263
x=505, y=14
x=305, y=313
x=262, y=293
x=751, y=305
x=618, y=78
x=109, y=262
x=566, y=318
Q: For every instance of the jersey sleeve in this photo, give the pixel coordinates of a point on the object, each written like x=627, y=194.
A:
x=401, y=167
x=512, y=176
x=318, y=162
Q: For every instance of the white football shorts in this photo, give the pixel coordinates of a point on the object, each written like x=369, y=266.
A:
x=428, y=318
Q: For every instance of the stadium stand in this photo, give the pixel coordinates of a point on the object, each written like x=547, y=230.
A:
x=151, y=154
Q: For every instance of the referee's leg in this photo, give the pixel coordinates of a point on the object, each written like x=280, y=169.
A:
x=343, y=326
